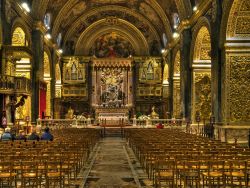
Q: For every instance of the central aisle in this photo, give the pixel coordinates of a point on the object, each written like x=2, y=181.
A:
x=112, y=166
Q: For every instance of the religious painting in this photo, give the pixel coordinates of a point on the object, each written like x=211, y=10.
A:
x=112, y=85
x=112, y=45
x=150, y=71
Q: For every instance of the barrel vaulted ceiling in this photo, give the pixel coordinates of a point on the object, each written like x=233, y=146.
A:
x=145, y=21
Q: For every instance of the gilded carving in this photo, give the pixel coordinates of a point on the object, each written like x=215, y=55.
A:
x=18, y=38
x=202, y=94
x=177, y=63
x=74, y=71
x=238, y=21
x=238, y=84
x=243, y=25
x=176, y=100
x=205, y=53
x=150, y=71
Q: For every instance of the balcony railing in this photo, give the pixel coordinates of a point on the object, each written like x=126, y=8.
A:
x=11, y=85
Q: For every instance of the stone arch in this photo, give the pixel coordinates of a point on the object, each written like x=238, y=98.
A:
x=236, y=71
x=125, y=29
x=176, y=85
x=201, y=70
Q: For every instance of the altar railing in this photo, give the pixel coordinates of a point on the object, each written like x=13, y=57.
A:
x=155, y=122
x=64, y=123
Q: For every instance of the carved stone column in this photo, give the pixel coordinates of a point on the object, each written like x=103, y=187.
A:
x=185, y=73
x=37, y=72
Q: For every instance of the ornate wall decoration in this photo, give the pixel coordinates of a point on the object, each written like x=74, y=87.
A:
x=112, y=86
x=202, y=46
x=74, y=71
x=177, y=63
x=243, y=25
x=112, y=45
x=202, y=94
x=176, y=99
x=150, y=71
x=239, y=21
x=18, y=37
x=47, y=79
x=237, y=88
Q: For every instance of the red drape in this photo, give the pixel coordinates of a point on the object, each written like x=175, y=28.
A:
x=42, y=102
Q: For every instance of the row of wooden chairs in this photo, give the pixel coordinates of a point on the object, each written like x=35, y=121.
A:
x=181, y=159
x=46, y=164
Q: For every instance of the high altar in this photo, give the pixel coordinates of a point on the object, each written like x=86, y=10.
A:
x=112, y=96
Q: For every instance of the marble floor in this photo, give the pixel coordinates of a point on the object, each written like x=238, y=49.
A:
x=113, y=165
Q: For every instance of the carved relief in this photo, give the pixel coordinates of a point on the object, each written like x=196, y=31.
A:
x=177, y=63
x=73, y=71
x=243, y=25
x=202, y=94
x=176, y=100
x=237, y=88
x=150, y=71
x=239, y=21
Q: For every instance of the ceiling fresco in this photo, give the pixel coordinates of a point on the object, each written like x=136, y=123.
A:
x=152, y=18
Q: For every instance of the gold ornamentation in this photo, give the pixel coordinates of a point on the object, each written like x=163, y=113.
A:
x=150, y=71
x=176, y=99
x=177, y=63
x=202, y=94
x=18, y=38
x=238, y=84
x=238, y=21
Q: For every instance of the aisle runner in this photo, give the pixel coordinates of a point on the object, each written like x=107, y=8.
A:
x=112, y=167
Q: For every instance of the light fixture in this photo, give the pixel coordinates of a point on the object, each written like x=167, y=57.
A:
x=195, y=8
x=48, y=36
x=176, y=35
x=163, y=51
x=60, y=51
x=26, y=7
x=175, y=26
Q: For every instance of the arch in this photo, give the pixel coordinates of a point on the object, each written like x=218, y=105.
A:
x=47, y=79
x=19, y=37
x=201, y=70
x=124, y=28
x=238, y=25
x=19, y=29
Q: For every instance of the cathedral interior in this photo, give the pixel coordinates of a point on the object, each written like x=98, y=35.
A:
x=127, y=60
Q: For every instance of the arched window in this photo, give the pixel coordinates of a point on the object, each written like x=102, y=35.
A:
x=59, y=40
x=47, y=20
x=176, y=20
x=164, y=39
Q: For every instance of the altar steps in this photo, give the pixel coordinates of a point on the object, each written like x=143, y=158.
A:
x=112, y=132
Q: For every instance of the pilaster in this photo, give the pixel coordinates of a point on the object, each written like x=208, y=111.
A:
x=185, y=73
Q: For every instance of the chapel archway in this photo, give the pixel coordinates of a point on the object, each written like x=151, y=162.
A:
x=201, y=72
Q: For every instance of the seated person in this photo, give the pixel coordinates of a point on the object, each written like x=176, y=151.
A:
x=160, y=126
x=47, y=135
x=21, y=135
x=6, y=136
x=34, y=135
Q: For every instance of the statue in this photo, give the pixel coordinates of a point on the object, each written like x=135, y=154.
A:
x=154, y=115
x=70, y=113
